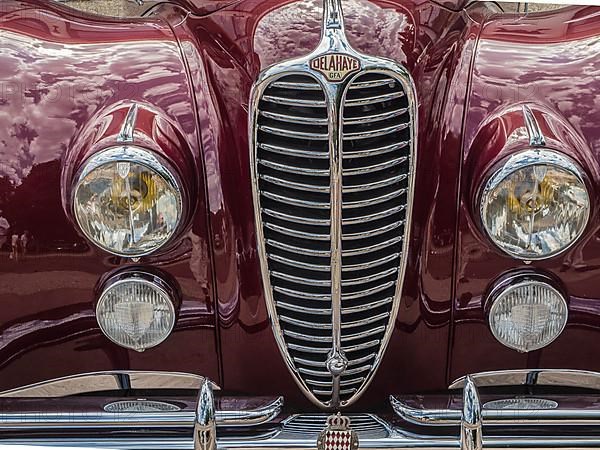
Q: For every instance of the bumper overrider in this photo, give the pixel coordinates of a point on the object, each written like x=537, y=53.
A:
x=135, y=410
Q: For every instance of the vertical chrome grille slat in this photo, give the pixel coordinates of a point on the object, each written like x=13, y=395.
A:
x=293, y=169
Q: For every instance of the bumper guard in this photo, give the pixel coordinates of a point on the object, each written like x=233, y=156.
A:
x=62, y=413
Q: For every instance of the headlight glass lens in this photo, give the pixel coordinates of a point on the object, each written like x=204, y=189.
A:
x=136, y=313
x=536, y=205
x=127, y=202
x=528, y=315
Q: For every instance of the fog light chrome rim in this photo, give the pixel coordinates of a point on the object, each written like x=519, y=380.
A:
x=527, y=312
x=152, y=312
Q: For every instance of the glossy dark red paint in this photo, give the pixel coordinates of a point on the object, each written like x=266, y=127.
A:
x=66, y=81
x=553, y=68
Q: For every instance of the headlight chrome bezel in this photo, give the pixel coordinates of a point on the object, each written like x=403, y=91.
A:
x=132, y=154
x=530, y=156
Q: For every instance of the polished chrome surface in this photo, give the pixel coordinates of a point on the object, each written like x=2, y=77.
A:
x=310, y=425
x=205, y=423
x=120, y=9
x=250, y=417
x=399, y=440
x=300, y=432
x=536, y=137
x=522, y=404
x=137, y=406
x=471, y=429
x=234, y=412
x=536, y=291
x=332, y=166
x=534, y=204
x=99, y=223
x=533, y=377
x=115, y=418
x=126, y=135
x=120, y=380
x=136, y=334
x=538, y=412
x=540, y=416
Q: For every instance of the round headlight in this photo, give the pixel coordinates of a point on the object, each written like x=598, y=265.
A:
x=535, y=205
x=127, y=202
x=136, y=311
x=527, y=313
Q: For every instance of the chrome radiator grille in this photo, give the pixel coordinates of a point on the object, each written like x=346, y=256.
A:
x=309, y=426
x=293, y=131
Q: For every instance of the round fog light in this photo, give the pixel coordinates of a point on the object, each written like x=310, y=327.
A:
x=527, y=313
x=136, y=311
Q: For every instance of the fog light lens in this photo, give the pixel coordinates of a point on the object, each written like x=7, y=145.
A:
x=527, y=314
x=136, y=313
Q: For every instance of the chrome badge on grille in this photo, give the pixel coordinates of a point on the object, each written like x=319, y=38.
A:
x=335, y=66
x=337, y=435
x=332, y=153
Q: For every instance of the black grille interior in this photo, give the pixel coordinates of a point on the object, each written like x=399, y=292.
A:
x=293, y=171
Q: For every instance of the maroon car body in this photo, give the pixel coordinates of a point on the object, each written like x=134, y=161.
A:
x=67, y=79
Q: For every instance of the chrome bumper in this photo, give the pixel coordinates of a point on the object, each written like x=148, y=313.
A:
x=62, y=413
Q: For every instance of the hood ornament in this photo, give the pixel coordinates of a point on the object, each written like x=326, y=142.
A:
x=335, y=62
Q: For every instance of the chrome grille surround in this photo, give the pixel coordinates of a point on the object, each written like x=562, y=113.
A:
x=333, y=311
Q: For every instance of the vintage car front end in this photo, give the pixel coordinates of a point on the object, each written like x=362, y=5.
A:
x=299, y=224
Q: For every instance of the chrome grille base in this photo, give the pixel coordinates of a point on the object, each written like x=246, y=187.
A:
x=332, y=166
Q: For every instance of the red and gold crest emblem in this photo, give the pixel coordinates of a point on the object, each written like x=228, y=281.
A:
x=337, y=435
x=335, y=66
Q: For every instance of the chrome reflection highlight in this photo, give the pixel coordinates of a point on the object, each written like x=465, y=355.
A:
x=527, y=313
x=133, y=406
x=136, y=313
x=333, y=168
x=535, y=205
x=517, y=404
x=127, y=202
x=471, y=424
